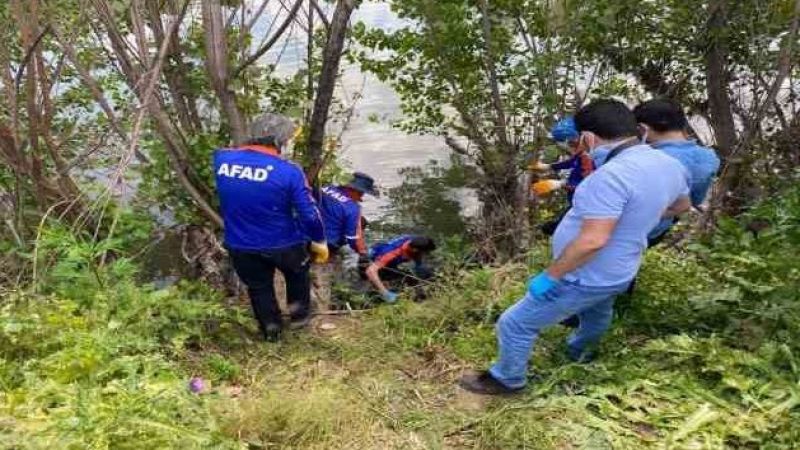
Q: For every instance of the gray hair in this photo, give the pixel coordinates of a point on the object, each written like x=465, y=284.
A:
x=275, y=127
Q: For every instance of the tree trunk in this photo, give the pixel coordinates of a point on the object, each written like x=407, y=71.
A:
x=217, y=67
x=331, y=56
x=175, y=146
x=54, y=189
x=719, y=102
x=175, y=72
x=717, y=80
x=503, y=210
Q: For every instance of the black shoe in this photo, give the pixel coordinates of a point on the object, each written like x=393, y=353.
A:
x=272, y=332
x=484, y=383
x=297, y=323
x=571, y=322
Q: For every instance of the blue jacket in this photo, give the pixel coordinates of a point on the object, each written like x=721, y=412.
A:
x=265, y=201
x=392, y=253
x=580, y=167
x=702, y=164
x=342, y=218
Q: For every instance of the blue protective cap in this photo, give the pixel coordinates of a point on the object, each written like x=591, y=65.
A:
x=564, y=130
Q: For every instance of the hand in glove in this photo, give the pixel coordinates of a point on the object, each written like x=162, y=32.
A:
x=538, y=166
x=545, y=187
x=541, y=284
x=390, y=296
x=319, y=252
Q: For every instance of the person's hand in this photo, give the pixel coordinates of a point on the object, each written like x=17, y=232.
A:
x=541, y=284
x=539, y=166
x=390, y=296
x=319, y=252
x=545, y=187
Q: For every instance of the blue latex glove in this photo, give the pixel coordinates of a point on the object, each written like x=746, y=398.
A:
x=390, y=297
x=540, y=284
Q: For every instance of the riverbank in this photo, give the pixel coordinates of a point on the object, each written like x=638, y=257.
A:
x=109, y=366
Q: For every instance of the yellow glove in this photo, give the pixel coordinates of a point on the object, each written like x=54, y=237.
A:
x=319, y=252
x=545, y=187
x=538, y=166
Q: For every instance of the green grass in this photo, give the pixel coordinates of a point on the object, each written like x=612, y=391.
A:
x=110, y=370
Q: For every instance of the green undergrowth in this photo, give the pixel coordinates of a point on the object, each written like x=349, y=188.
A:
x=705, y=355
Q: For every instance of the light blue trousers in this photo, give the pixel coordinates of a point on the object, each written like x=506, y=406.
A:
x=519, y=326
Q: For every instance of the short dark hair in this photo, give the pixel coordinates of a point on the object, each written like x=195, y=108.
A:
x=609, y=119
x=661, y=114
x=423, y=244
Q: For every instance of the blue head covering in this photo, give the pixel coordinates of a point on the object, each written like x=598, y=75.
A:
x=363, y=183
x=564, y=130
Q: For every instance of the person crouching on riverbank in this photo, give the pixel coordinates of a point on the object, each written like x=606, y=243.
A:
x=269, y=215
x=387, y=257
x=597, y=247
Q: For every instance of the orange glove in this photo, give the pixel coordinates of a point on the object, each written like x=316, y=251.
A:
x=538, y=166
x=319, y=252
x=545, y=187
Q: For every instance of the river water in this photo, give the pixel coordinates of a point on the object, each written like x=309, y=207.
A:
x=368, y=145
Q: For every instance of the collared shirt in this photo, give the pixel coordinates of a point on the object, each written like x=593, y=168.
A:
x=342, y=218
x=265, y=201
x=635, y=188
x=702, y=165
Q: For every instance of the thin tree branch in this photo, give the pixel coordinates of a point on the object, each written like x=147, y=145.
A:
x=268, y=45
x=28, y=55
x=489, y=60
x=325, y=22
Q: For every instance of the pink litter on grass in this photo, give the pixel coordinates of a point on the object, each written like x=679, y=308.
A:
x=197, y=385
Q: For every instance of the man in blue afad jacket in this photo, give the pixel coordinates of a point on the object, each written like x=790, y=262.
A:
x=270, y=216
x=341, y=212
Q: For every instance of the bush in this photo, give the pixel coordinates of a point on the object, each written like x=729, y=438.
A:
x=94, y=362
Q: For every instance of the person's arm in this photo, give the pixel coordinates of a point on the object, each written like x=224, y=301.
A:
x=375, y=279
x=355, y=234
x=592, y=238
x=568, y=163
x=306, y=208
x=373, y=271
x=680, y=206
x=599, y=202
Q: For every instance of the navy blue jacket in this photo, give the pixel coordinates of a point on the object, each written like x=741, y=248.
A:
x=265, y=201
x=392, y=253
x=342, y=218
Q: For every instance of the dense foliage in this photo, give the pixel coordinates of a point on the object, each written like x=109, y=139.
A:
x=109, y=112
x=704, y=355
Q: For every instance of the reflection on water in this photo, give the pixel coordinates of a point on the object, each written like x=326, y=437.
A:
x=368, y=146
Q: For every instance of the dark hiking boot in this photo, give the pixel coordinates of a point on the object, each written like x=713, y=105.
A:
x=483, y=383
x=297, y=323
x=272, y=332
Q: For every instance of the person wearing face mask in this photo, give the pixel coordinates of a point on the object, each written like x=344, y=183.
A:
x=597, y=247
x=271, y=221
x=579, y=164
x=664, y=126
